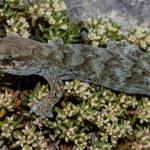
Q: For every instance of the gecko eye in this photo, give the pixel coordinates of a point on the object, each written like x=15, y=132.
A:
x=6, y=61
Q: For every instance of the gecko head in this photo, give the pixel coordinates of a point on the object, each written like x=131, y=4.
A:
x=5, y=61
x=10, y=63
x=13, y=51
x=5, y=56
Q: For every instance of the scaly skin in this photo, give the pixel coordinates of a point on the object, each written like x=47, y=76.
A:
x=120, y=66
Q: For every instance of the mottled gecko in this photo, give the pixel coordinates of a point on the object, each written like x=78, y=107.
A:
x=121, y=66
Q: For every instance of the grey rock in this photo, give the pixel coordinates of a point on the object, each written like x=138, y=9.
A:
x=4, y=148
x=128, y=13
x=2, y=145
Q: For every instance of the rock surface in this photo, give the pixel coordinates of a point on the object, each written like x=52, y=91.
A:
x=2, y=145
x=128, y=13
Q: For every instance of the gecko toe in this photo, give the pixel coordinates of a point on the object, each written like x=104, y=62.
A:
x=50, y=114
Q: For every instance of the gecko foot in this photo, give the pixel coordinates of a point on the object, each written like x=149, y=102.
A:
x=40, y=109
x=44, y=108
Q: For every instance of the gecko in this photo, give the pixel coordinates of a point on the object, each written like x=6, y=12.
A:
x=120, y=66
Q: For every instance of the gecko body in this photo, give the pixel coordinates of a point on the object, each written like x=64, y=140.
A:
x=120, y=66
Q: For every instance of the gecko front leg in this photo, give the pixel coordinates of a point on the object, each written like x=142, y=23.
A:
x=45, y=107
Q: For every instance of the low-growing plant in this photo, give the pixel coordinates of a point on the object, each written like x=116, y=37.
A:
x=140, y=37
x=41, y=22
x=87, y=117
x=101, y=31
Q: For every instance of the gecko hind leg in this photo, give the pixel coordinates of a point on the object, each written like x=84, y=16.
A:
x=45, y=107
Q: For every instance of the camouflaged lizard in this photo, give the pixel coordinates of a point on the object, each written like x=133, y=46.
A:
x=120, y=66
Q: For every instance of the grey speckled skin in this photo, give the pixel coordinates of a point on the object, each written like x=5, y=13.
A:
x=120, y=66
